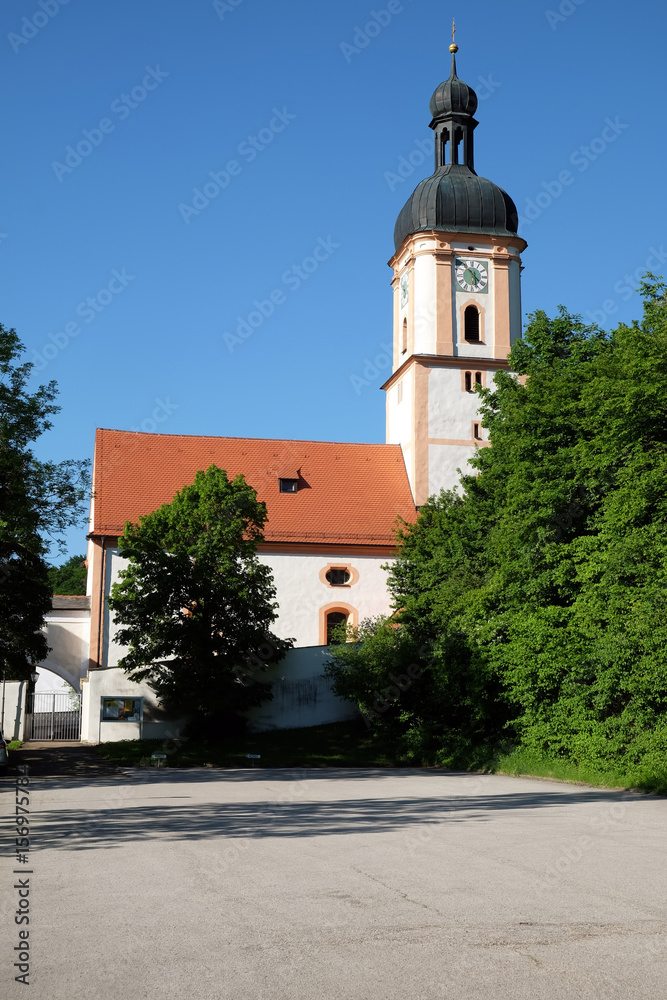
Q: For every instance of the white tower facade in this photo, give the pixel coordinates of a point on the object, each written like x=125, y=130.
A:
x=457, y=301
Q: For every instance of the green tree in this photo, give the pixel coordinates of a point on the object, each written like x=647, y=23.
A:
x=70, y=578
x=38, y=501
x=540, y=589
x=195, y=604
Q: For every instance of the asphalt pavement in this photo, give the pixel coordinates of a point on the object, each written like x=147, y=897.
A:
x=276, y=884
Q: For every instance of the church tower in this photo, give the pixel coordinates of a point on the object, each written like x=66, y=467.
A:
x=457, y=300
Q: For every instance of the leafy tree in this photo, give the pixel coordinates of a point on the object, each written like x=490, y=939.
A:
x=540, y=589
x=195, y=603
x=38, y=500
x=70, y=578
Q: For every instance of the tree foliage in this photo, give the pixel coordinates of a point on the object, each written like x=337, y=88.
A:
x=195, y=604
x=70, y=578
x=38, y=501
x=541, y=588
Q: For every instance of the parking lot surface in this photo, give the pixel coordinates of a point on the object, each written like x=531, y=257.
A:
x=275, y=884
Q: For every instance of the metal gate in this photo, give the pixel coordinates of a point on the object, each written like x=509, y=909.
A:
x=53, y=715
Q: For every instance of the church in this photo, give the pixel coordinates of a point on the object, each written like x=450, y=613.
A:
x=332, y=507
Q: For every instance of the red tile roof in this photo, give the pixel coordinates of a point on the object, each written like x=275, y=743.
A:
x=348, y=493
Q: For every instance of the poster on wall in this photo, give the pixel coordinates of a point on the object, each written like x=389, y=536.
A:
x=121, y=709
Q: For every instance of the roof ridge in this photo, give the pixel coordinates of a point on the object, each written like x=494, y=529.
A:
x=225, y=437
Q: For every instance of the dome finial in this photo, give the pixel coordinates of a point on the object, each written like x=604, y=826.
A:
x=453, y=48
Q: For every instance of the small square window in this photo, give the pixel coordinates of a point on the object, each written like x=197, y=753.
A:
x=288, y=485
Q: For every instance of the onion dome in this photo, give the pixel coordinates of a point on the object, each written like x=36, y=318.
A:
x=453, y=97
x=454, y=199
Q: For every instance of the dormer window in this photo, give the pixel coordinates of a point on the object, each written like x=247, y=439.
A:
x=288, y=485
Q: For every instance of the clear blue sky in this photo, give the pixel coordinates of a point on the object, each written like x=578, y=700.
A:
x=182, y=88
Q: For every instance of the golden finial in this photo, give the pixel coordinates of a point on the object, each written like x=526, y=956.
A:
x=453, y=48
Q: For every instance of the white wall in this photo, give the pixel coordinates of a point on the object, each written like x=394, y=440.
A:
x=443, y=462
x=112, y=649
x=425, y=296
x=114, y=683
x=14, y=714
x=300, y=594
x=68, y=635
x=302, y=697
x=451, y=410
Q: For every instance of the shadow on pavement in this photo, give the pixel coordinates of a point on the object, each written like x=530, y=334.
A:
x=123, y=820
x=58, y=760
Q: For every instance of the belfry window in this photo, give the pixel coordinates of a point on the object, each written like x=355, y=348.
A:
x=471, y=324
x=404, y=338
x=478, y=378
x=468, y=381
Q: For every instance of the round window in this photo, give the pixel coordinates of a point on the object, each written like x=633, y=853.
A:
x=338, y=577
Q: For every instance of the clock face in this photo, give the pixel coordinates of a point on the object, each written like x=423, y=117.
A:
x=472, y=275
x=405, y=290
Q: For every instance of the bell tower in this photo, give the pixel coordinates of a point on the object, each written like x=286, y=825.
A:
x=457, y=300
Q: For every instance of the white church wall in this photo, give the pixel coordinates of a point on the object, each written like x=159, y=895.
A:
x=424, y=304
x=399, y=414
x=113, y=650
x=300, y=591
x=451, y=410
x=302, y=594
x=443, y=463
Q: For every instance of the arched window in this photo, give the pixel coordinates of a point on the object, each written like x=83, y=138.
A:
x=471, y=323
x=478, y=378
x=468, y=381
x=334, y=619
x=404, y=341
x=444, y=144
